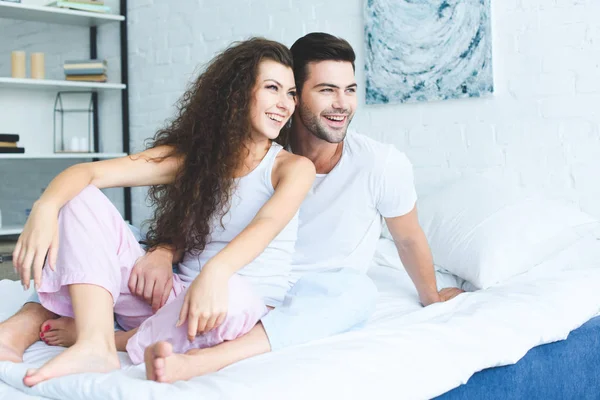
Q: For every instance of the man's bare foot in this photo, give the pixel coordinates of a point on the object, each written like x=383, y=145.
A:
x=79, y=358
x=8, y=353
x=59, y=332
x=122, y=337
x=21, y=331
x=162, y=365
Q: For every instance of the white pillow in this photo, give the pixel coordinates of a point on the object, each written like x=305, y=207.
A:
x=486, y=232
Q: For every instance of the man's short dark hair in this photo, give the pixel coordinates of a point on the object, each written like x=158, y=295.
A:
x=315, y=47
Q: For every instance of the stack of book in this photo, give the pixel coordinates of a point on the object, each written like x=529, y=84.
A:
x=82, y=5
x=8, y=143
x=85, y=70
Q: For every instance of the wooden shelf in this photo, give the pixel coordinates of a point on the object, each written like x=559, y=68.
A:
x=6, y=230
x=47, y=84
x=59, y=156
x=55, y=15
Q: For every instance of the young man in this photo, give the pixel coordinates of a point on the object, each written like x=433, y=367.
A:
x=359, y=181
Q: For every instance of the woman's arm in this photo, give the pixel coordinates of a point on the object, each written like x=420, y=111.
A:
x=295, y=178
x=205, y=305
x=40, y=234
x=133, y=170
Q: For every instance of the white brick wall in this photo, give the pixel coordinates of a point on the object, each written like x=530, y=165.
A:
x=541, y=127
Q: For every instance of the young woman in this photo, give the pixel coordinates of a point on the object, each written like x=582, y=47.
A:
x=226, y=196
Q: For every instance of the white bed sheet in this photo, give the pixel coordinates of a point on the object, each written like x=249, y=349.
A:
x=404, y=352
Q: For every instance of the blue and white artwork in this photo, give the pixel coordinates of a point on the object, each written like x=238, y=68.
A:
x=427, y=50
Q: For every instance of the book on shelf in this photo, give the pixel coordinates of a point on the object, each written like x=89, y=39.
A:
x=87, y=78
x=8, y=144
x=9, y=137
x=95, y=2
x=86, y=71
x=12, y=150
x=77, y=64
x=75, y=5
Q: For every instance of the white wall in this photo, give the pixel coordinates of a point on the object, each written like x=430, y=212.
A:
x=540, y=128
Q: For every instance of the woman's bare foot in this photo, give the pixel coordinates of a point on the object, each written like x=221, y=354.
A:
x=59, y=332
x=162, y=365
x=92, y=356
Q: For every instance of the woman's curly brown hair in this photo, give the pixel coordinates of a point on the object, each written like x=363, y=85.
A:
x=210, y=131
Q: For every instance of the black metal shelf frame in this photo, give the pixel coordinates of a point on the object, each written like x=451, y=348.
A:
x=124, y=97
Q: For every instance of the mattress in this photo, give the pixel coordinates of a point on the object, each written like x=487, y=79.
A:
x=568, y=369
x=404, y=352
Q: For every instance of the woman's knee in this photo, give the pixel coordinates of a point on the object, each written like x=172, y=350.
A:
x=90, y=196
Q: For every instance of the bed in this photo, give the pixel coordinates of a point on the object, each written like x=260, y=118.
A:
x=568, y=369
x=404, y=352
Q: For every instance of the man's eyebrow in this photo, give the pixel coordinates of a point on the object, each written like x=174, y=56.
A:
x=331, y=85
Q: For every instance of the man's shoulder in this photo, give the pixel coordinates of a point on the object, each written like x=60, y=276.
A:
x=365, y=143
x=368, y=151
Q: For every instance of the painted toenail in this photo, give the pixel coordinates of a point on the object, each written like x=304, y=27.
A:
x=42, y=335
x=46, y=328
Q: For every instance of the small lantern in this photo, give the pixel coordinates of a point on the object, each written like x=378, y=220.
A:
x=73, y=122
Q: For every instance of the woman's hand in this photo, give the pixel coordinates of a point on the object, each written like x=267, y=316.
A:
x=38, y=239
x=206, y=301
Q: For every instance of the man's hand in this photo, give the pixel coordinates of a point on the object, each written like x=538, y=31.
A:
x=441, y=296
x=152, y=277
x=450, y=293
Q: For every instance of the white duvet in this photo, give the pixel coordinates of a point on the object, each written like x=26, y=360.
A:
x=404, y=352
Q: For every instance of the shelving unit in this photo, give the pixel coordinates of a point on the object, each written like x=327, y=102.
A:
x=61, y=156
x=92, y=20
x=54, y=15
x=48, y=84
x=11, y=230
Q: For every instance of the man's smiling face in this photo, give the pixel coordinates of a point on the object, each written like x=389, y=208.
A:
x=327, y=100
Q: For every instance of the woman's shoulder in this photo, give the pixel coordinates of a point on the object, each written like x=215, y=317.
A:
x=292, y=165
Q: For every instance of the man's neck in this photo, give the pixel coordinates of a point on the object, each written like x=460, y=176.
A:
x=323, y=154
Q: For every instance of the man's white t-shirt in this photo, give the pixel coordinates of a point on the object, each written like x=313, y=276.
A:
x=340, y=219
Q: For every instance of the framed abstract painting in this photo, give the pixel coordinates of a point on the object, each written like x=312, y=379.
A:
x=427, y=50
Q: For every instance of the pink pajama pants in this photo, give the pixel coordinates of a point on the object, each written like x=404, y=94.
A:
x=97, y=247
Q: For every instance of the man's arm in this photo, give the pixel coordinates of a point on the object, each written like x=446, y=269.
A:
x=416, y=256
x=152, y=275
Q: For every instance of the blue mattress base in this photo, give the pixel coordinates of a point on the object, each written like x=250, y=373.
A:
x=569, y=369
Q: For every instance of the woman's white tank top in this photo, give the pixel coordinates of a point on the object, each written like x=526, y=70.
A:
x=268, y=273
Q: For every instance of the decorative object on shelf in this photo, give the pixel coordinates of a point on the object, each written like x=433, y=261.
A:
x=427, y=50
x=86, y=70
x=37, y=3
x=37, y=66
x=82, y=5
x=73, y=123
x=18, y=64
x=8, y=143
